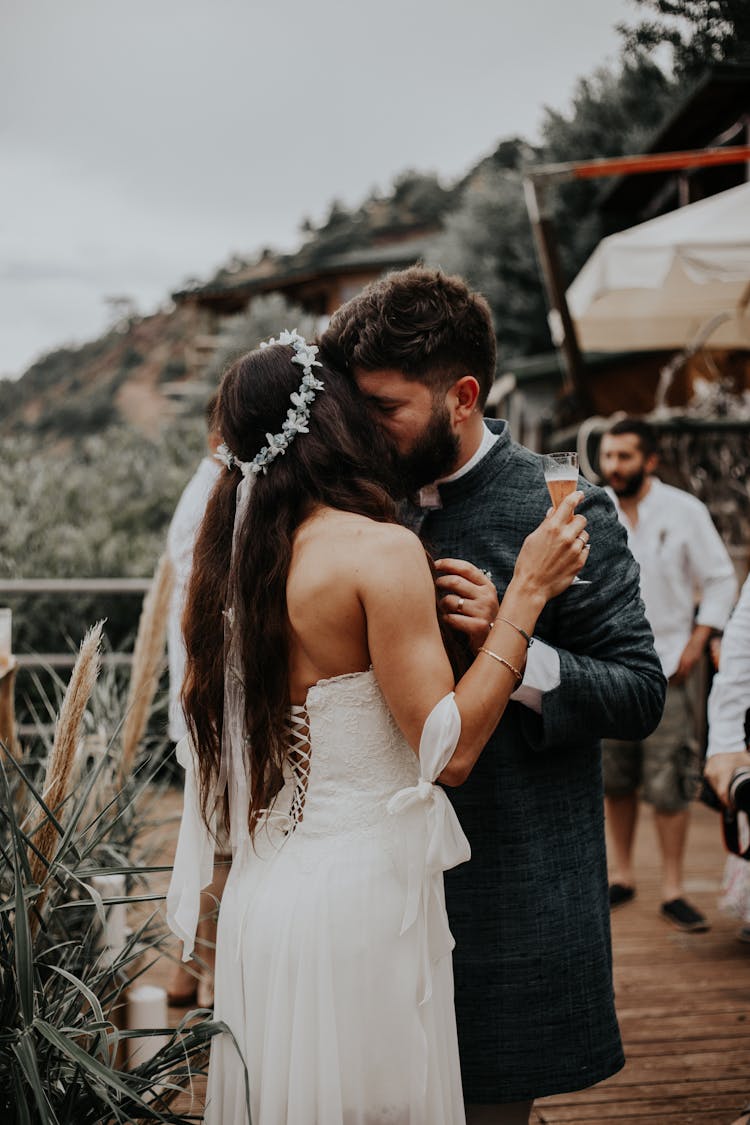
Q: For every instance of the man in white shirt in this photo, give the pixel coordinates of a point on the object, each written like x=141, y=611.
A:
x=688, y=586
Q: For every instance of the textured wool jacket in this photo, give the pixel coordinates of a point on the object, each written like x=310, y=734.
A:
x=530, y=911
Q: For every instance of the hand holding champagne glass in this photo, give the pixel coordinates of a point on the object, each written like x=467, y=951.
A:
x=561, y=475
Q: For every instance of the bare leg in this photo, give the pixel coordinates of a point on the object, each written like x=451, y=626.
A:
x=206, y=932
x=510, y=1113
x=672, y=831
x=182, y=983
x=622, y=816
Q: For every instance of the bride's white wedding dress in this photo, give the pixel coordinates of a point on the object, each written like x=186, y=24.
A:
x=333, y=967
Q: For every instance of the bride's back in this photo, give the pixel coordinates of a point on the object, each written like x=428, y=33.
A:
x=332, y=554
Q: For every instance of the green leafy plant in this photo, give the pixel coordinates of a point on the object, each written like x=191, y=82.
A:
x=63, y=822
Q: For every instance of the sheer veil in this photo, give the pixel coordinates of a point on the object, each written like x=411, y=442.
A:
x=233, y=776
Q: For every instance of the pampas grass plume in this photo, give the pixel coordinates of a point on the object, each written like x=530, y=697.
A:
x=147, y=658
x=59, y=776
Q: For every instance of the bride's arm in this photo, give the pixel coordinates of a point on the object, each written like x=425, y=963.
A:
x=406, y=648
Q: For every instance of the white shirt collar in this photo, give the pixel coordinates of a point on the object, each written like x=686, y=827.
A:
x=485, y=445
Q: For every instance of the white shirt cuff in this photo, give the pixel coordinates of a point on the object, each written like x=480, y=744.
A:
x=542, y=674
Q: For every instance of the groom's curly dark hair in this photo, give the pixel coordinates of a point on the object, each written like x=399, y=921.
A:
x=426, y=324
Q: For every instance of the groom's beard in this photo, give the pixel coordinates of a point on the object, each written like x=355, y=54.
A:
x=433, y=454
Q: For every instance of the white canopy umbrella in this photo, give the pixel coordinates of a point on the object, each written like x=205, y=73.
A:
x=657, y=285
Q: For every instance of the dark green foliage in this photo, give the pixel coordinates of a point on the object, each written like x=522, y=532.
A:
x=613, y=113
x=700, y=32
x=101, y=510
x=58, y=366
x=79, y=415
x=173, y=370
x=58, y=1045
x=488, y=240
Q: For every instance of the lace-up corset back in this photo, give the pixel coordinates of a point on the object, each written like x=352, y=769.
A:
x=346, y=758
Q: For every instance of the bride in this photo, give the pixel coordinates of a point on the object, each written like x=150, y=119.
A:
x=322, y=707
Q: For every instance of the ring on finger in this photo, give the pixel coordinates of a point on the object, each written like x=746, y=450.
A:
x=460, y=606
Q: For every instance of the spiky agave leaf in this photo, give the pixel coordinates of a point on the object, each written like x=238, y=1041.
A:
x=58, y=1045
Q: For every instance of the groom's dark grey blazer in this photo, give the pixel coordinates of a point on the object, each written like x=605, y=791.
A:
x=530, y=912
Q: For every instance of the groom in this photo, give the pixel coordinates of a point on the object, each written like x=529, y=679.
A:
x=530, y=913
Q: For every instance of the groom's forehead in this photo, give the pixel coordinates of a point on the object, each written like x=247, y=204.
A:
x=389, y=384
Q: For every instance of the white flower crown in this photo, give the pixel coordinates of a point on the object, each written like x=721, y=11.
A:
x=297, y=416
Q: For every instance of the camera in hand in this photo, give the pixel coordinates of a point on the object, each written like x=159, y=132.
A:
x=739, y=790
x=734, y=816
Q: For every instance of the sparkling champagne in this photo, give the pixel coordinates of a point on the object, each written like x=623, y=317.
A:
x=560, y=487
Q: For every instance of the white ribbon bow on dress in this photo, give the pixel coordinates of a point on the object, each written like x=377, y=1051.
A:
x=434, y=840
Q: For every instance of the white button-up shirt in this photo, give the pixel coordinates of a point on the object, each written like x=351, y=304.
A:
x=684, y=565
x=181, y=537
x=730, y=691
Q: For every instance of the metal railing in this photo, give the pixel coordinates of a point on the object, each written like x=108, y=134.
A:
x=14, y=587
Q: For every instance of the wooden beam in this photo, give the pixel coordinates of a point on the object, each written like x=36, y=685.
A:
x=561, y=324
x=647, y=162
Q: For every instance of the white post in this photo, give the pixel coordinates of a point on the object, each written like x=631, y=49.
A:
x=6, y=619
x=115, y=934
x=147, y=1008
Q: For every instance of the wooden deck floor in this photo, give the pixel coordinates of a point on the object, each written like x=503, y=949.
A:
x=683, y=1002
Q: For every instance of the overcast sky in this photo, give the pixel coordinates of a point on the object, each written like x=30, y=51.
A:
x=144, y=143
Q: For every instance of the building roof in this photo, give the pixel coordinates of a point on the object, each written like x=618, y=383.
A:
x=713, y=113
x=549, y=367
x=288, y=270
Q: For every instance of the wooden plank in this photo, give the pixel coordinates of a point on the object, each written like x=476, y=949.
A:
x=606, y=1093
x=683, y=1002
x=716, y=1109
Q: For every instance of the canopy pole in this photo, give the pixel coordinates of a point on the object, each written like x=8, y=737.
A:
x=559, y=319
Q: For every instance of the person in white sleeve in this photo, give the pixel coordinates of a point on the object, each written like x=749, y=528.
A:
x=688, y=586
x=183, y=529
x=728, y=707
x=190, y=983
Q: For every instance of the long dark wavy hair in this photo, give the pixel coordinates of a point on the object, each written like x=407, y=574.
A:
x=341, y=463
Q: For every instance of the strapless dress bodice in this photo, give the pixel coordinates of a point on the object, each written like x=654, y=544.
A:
x=356, y=759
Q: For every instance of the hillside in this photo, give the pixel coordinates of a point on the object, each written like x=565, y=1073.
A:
x=133, y=374
x=118, y=378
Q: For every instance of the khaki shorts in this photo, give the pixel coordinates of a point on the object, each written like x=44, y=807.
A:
x=666, y=765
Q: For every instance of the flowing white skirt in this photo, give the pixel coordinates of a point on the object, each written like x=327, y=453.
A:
x=321, y=992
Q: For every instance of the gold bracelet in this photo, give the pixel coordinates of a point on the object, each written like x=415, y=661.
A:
x=501, y=660
x=521, y=632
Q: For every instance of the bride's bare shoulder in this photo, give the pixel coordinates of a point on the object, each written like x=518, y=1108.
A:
x=361, y=533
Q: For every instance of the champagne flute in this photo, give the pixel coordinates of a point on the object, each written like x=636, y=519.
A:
x=561, y=475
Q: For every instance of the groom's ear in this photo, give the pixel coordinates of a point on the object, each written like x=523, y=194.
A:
x=463, y=397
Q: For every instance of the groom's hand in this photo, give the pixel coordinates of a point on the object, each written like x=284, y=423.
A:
x=468, y=599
